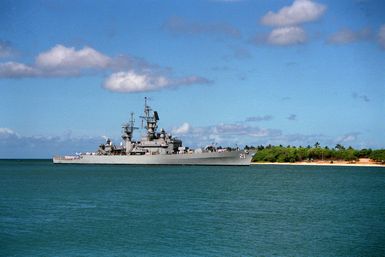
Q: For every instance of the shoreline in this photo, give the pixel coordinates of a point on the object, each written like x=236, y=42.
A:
x=323, y=163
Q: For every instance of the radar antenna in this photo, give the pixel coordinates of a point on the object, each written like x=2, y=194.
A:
x=151, y=118
x=128, y=128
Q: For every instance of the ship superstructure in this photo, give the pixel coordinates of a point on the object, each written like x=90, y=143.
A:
x=156, y=148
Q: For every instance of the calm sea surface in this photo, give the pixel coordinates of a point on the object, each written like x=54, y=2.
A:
x=59, y=210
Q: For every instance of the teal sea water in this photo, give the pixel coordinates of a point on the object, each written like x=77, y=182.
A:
x=59, y=210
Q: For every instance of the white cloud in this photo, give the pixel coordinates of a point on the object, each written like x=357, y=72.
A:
x=61, y=57
x=15, y=70
x=58, y=61
x=287, y=36
x=287, y=21
x=7, y=132
x=381, y=36
x=300, y=11
x=183, y=129
x=61, y=61
x=132, y=82
x=345, y=36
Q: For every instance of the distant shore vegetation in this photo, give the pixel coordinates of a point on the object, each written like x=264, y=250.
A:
x=309, y=153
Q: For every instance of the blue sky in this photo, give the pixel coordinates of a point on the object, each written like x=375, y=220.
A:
x=224, y=72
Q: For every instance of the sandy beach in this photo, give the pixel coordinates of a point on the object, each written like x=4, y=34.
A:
x=363, y=162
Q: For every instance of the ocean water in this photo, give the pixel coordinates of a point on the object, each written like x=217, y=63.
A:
x=59, y=210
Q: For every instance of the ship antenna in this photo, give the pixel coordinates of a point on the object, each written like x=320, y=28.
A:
x=146, y=108
x=147, y=111
x=151, y=118
x=132, y=122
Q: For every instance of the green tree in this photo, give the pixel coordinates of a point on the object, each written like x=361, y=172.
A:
x=339, y=147
x=364, y=153
x=280, y=153
x=378, y=155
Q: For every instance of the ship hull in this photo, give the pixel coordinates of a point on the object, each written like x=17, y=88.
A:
x=211, y=158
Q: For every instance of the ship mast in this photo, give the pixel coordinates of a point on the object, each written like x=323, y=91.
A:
x=151, y=118
x=127, y=133
x=128, y=128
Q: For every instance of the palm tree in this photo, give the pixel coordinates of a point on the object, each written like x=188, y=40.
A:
x=339, y=147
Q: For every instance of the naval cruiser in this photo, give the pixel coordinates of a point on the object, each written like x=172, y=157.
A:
x=156, y=148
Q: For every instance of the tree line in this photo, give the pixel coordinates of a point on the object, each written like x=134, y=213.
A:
x=289, y=153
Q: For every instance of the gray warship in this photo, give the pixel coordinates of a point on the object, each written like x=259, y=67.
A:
x=156, y=148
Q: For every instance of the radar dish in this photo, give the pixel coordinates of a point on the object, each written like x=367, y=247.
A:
x=156, y=115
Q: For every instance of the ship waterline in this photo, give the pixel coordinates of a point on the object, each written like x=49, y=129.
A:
x=156, y=148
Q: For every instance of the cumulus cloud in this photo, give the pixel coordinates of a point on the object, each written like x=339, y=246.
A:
x=259, y=118
x=61, y=61
x=180, y=25
x=58, y=61
x=17, y=70
x=132, y=74
x=7, y=132
x=287, y=23
x=381, y=36
x=182, y=129
x=133, y=82
x=345, y=36
x=286, y=36
x=61, y=57
x=299, y=12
